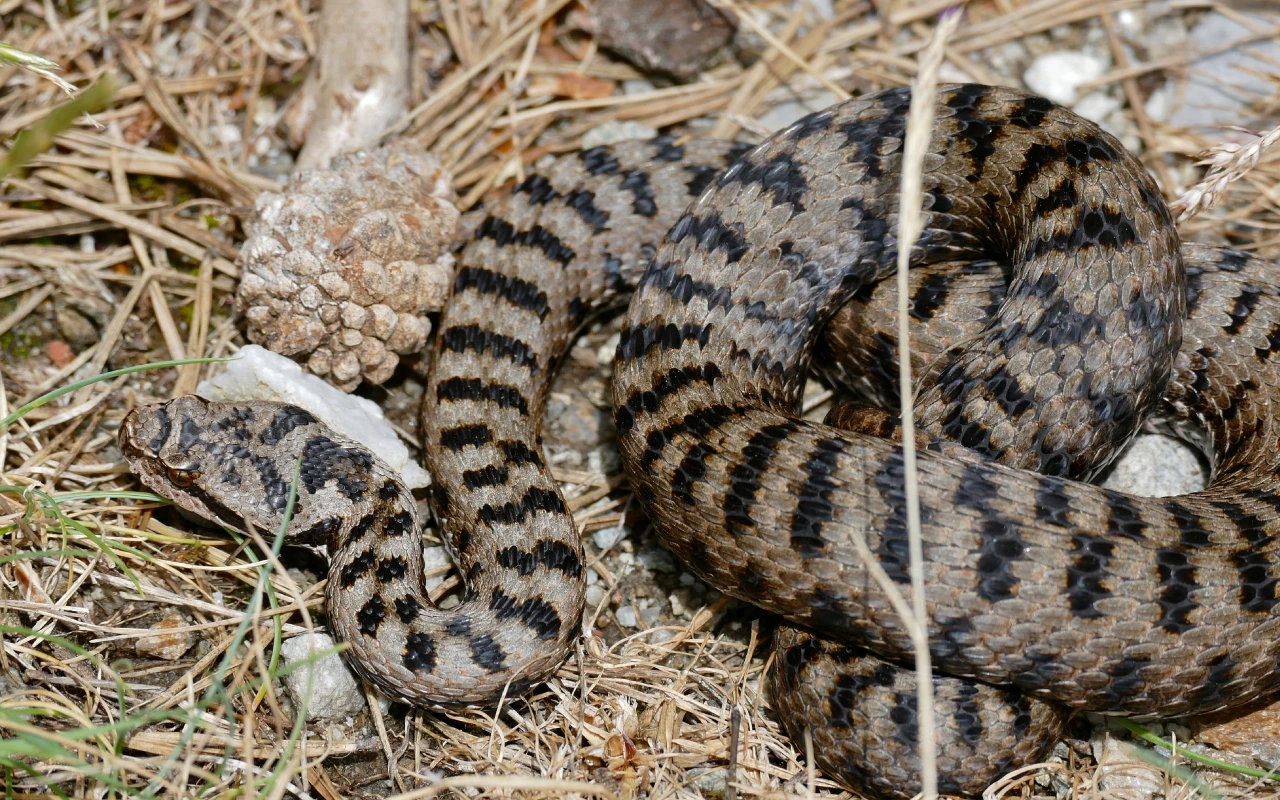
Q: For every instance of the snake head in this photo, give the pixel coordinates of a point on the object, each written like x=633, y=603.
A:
x=167, y=446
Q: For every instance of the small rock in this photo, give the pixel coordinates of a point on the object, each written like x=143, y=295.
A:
x=259, y=374
x=434, y=558
x=335, y=692
x=1156, y=465
x=1256, y=735
x=60, y=353
x=614, y=131
x=1058, y=75
x=606, y=538
x=1222, y=89
x=657, y=560
x=1121, y=775
x=687, y=579
x=676, y=38
x=595, y=595
x=166, y=643
x=784, y=114
x=626, y=617
x=711, y=782
x=650, y=616
x=677, y=606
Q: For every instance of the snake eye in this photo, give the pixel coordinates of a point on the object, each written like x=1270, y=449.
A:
x=182, y=477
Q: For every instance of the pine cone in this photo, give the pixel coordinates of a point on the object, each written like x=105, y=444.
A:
x=341, y=269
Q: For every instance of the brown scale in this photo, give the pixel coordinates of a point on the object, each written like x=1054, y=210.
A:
x=1090, y=598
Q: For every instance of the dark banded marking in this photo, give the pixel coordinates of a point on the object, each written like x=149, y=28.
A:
x=504, y=234
x=1001, y=544
x=534, y=612
x=700, y=177
x=357, y=568
x=519, y=454
x=458, y=626
x=318, y=535
x=848, y=689
x=599, y=160
x=457, y=389
x=672, y=279
x=1243, y=308
x=487, y=654
x=399, y=524
x=520, y=293
x=633, y=343
x=1178, y=579
x=465, y=436
x=1031, y=112
x=362, y=527
x=979, y=133
x=535, y=500
x=461, y=338
x=752, y=463
x=672, y=382
x=217, y=509
x=408, y=608
x=781, y=178
x=1124, y=518
x=584, y=202
x=557, y=555
x=691, y=469
x=636, y=183
x=538, y=188
x=1254, y=564
x=712, y=235
x=813, y=507
x=698, y=423
x=371, y=615
x=189, y=435
x=488, y=476
x=667, y=149
x=391, y=568
x=548, y=553
x=286, y=419
x=165, y=423
x=388, y=491
x=931, y=295
x=420, y=652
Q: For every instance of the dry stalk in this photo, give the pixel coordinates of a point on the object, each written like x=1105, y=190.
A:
x=910, y=224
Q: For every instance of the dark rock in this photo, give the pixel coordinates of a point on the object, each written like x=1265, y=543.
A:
x=675, y=38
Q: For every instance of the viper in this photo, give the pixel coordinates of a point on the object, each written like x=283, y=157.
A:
x=1044, y=592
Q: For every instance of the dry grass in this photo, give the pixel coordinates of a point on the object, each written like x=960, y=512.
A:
x=118, y=247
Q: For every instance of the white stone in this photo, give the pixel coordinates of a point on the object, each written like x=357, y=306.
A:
x=606, y=538
x=434, y=558
x=1058, y=75
x=626, y=617
x=614, y=131
x=595, y=596
x=259, y=374
x=335, y=693
x=1157, y=466
x=637, y=86
x=1097, y=106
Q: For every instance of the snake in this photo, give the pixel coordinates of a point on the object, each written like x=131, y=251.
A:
x=1044, y=594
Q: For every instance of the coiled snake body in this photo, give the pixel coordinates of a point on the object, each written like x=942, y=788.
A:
x=1075, y=594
